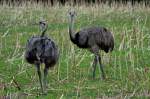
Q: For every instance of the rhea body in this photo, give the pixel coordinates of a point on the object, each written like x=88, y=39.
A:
x=92, y=38
x=41, y=49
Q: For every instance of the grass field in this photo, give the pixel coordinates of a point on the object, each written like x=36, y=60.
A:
x=127, y=68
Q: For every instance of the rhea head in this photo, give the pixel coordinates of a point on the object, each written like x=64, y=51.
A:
x=43, y=25
x=72, y=13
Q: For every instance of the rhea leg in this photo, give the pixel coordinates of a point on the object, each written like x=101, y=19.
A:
x=101, y=66
x=45, y=77
x=39, y=74
x=95, y=49
x=94, y=66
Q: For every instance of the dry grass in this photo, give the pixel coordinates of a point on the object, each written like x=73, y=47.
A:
x=127, y=67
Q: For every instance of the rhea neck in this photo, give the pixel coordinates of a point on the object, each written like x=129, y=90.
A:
x=71, y=30
x=43, y=28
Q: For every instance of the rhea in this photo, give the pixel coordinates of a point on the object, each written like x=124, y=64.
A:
x=41, y=49
x=93, y=39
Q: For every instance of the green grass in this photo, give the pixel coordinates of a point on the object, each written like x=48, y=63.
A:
x=127, y=68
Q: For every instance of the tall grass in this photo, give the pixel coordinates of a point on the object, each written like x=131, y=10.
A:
x=127, y=67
